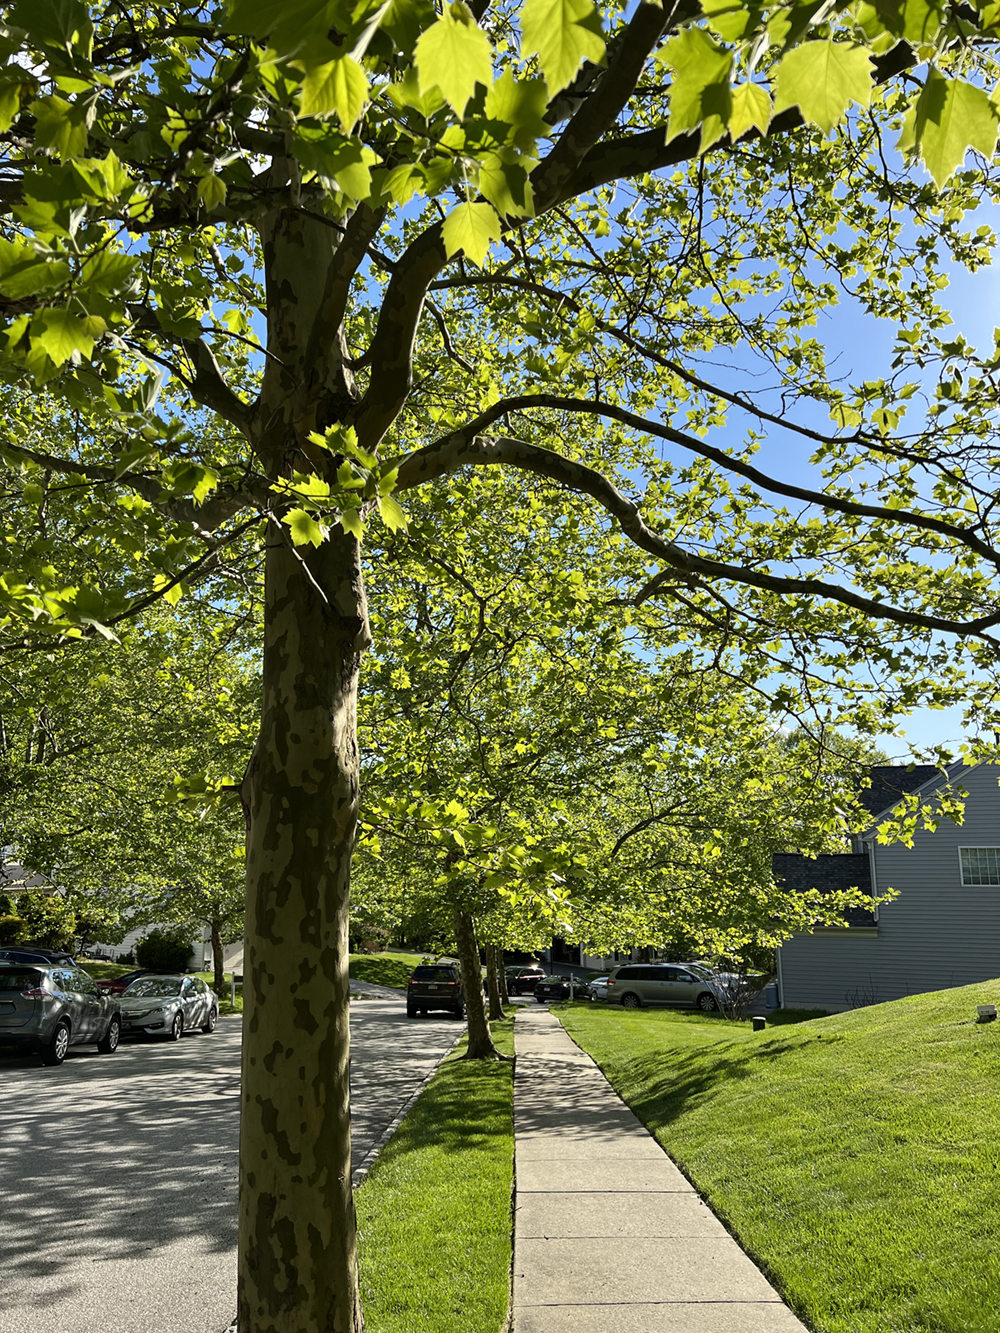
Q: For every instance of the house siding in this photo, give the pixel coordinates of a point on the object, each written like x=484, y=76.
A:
x=938, y=933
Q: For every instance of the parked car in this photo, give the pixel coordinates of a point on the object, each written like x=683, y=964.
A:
x=558, y=988
x=435, y=986
x=636, y=984
x=48, y=1008
x=522, y=978
x=598, y=988
x=168, y=1006
x=117, y=985
x=32, y=954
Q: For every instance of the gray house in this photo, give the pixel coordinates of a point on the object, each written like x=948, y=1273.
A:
x=944, y=928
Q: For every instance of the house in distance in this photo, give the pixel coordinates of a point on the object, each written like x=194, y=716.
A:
x=944, y=928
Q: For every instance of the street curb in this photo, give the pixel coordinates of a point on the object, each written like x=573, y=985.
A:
x=360, y=1172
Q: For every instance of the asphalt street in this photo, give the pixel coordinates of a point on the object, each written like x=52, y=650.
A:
x=119, y=1172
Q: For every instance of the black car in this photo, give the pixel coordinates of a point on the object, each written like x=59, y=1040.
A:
x=558, y=988
x=32, y=954
x=435, y=986
x=522, y=978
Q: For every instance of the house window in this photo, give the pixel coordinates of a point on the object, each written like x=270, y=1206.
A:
x=980, y=865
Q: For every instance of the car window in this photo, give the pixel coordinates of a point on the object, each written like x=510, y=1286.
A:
x=628, y=973
x=18, y=979
x=147, y=987
x=86, y=983
x=685, y=976
x=434, y=974
x=200, y=986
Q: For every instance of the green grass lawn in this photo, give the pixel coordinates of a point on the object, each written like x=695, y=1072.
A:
x=856, y=1157
x=434, y=1215
x=385, y=969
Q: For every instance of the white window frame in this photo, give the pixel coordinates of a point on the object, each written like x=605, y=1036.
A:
x=967, y=884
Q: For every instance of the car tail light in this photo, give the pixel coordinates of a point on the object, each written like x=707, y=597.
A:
x=611, y=983
x=35, y=993
x=411, y=982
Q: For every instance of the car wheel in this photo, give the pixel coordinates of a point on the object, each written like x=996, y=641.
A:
x=210, y=1022
x=109, y=1042
x=55, y=1052
x=707, y=1002
x=411, y=1011
x=176, y=1028
x=630, y=1000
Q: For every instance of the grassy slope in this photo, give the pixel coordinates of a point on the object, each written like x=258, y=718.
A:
x=434, y=1216
x=857, y=1157
x=385, y=969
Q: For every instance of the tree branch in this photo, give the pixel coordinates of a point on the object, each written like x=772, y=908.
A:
x=464, y=449
x=838, y=504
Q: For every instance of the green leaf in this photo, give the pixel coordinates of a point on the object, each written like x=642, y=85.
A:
x=699, y=93
x=24, y=272
x=454, y=55
x=822, y=78
x=471, y=228
x=504, y=182
x=949, y=117
x=346, y=162
x=108, y=272
x=61, y=125
x=751, y=107
x=10, y=102
x=212, y=191
x=917, y=21
x=60, y=334
x=519, y=103
x=405, y=20
x=563, y=34
x=304, y=528
x=61, y=23
x=339, y=86
x=350, y=521
x=392, y=513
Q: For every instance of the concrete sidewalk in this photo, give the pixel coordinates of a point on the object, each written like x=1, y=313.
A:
x=608, y=1234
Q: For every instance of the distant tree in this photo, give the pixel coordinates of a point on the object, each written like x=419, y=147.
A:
x=165, y=949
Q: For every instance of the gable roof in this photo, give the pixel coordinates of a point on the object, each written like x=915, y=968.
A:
x=892, y=781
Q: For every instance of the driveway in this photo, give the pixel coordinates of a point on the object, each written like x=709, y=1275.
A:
x=119, y=1173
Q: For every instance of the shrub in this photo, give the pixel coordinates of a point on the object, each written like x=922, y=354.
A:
x=13, y=929
x=165, y=949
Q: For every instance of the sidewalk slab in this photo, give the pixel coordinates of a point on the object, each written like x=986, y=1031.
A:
x=558, y=1216
x=608, y=1233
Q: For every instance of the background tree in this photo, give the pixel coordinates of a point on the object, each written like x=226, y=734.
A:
x=453, y=276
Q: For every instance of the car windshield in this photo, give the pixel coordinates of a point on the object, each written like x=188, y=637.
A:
x=146, y=987
x=434, y=974
x=18, y=979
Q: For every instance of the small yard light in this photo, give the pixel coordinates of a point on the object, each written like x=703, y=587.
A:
x=987, y=1013
x=759, y=1024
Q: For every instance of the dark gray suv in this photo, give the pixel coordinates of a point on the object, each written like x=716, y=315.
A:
x=47, y=1008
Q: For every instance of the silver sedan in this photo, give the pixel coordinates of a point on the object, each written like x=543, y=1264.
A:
x=168, y=1006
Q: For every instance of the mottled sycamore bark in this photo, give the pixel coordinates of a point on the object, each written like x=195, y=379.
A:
x=493, y=983
x=218, y=958
x=480, y=1042
x=298, y=1256
x=502, y=975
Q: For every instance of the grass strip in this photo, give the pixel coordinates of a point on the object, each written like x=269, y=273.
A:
x=384, y=969
x=856, y=1157
x=434, y=1214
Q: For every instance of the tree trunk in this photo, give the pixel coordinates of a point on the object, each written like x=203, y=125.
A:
x=502, y=977
x=496, y=1010
x=480, y=1042
x=218, y=958
x=298, y=1253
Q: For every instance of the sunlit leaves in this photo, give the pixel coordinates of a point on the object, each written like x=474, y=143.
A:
x=303, y=527
x=751, y=109
x=947, y=118
x=471, y=228
x=454, y=54
x=563, y=34
x=61, y=125
x=699, y=94
x=822, y=78
x=339, y=86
